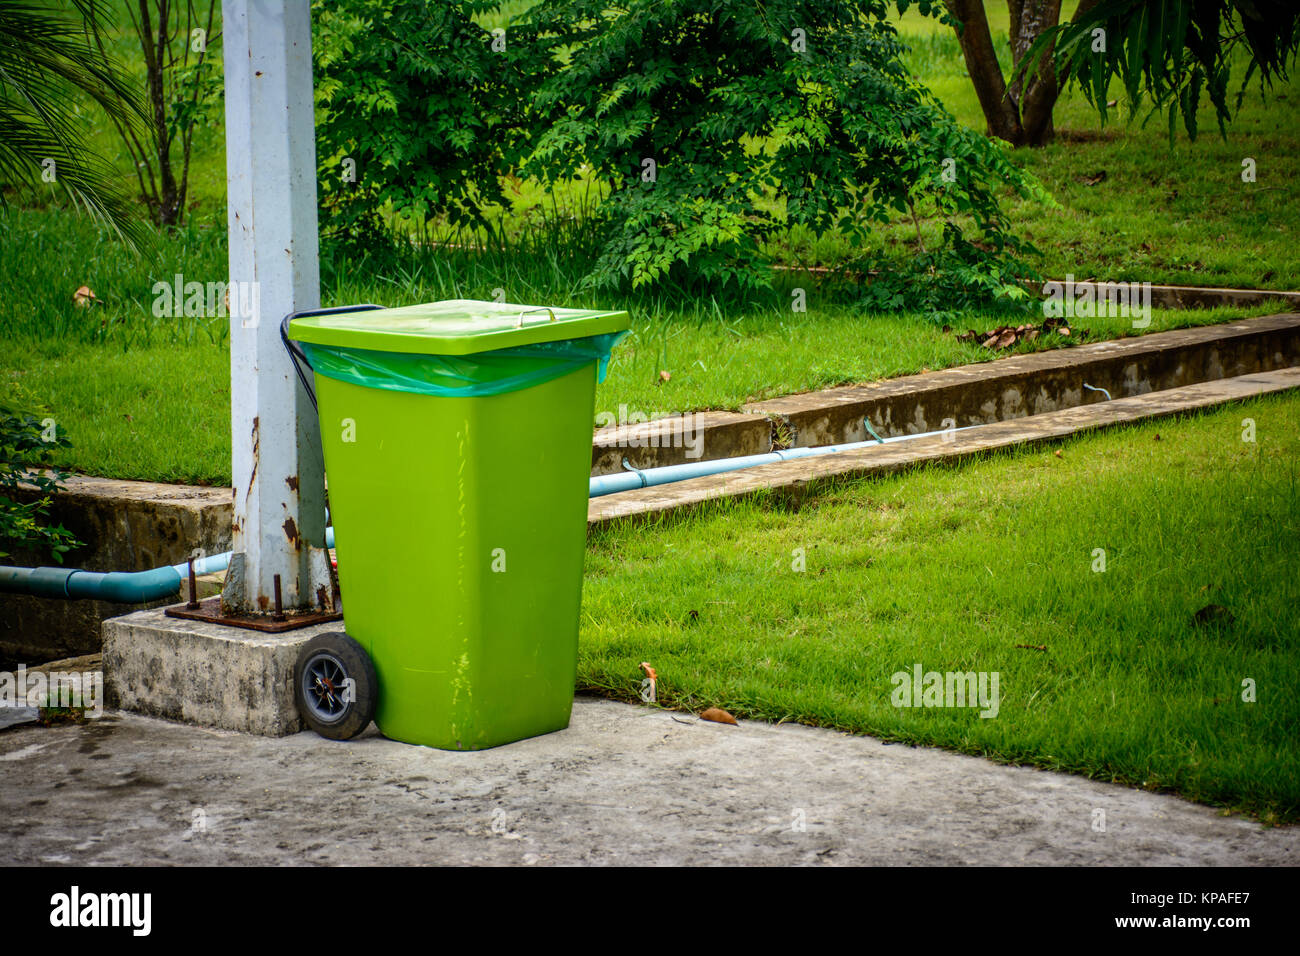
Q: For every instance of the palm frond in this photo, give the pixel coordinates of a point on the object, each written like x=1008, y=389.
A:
x=48, y=62
x=1168, y=51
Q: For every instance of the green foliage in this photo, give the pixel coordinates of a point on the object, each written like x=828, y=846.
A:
x=416, y=111
x=718, y=124
x=183, y=88
x=1169, y=51
x=959, y=276
x=709, y=126
x=26, y=452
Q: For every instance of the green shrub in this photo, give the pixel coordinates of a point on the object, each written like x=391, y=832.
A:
x=416, y=111
x=26, y=451
x=751, y=132
x=711, y=126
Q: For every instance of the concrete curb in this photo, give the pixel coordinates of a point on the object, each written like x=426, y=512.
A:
x=1037, y=382
x=1199, y=296
x=699, y=436
x=1002, y=388
x=127, y=526
x=887, y=459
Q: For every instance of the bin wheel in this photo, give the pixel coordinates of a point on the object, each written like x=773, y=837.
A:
x=321, y=676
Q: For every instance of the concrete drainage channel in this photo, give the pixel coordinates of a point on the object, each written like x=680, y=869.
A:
x=1011, y=401
x=1023, y=398
x=1008, y=388
x=873, y=460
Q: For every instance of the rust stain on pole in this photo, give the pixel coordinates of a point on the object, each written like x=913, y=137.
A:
x=257, y=456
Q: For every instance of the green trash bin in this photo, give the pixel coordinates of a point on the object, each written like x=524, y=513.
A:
x=457, y=441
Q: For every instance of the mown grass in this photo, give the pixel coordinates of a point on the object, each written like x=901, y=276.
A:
x=957, y=568
x=149, y=398
x=1156, y=216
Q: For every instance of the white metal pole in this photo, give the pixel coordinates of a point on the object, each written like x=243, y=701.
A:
x=279, y=514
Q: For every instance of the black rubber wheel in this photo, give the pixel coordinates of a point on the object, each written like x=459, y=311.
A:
x=328, y=665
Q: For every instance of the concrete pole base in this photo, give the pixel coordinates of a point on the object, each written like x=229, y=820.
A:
x=228, y=678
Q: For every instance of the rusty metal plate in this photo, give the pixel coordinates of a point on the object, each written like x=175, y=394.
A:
x=209, y=610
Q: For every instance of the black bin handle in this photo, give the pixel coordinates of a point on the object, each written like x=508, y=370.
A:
x=296, y=355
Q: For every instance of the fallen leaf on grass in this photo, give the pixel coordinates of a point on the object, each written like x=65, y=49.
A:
x=84, y=297
x=718, y=716
x=664, y=375
x=1032, y=647
x=1006, y=336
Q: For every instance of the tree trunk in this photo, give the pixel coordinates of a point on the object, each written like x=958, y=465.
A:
x=1020, y=113
x=168, y=208
x=1000, y=111
x=1029, y=19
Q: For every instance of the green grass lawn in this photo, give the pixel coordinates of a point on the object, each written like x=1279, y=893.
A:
x=147, y=398
x=954, y=568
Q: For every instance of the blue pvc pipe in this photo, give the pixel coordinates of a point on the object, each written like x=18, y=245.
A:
x=121, y=586
x=635, y=478
x=141, y=587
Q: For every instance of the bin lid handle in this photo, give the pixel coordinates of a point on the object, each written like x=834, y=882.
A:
x=519, y=321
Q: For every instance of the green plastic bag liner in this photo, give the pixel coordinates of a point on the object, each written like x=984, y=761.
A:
x=488, y=373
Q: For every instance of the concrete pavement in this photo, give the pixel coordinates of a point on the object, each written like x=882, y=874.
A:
x=623, y=785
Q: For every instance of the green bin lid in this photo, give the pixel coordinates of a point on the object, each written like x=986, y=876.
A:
x=454, y=327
